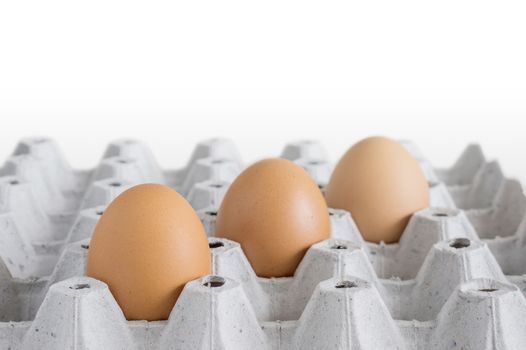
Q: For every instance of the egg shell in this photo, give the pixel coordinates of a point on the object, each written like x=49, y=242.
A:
x=276, y=212
x=146, y=246
x=381, y=184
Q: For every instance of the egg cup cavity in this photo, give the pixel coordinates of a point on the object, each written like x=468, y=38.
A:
x=439, y=196
x=71, y=263
x=214, y=169
x=320, y=170
x=343, y=227
x=407, y=300
x=84, y=224
x=212, y=149
x=443, y=269
x=404, y=259
x=207, y=194
x=284, y=298
x=102, y=192
x=118, y=167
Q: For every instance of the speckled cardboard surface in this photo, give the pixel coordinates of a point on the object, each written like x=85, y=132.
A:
x=454, y=281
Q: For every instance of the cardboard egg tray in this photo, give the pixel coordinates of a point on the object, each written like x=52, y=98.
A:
x=454, y=281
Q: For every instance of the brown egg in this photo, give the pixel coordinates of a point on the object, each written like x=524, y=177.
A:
x=148, y=244
x=276, y=212
x=381, y=184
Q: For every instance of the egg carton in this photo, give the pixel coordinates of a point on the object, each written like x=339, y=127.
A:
x=454, y=281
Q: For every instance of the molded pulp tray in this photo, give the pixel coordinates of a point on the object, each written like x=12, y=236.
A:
x=454, y=281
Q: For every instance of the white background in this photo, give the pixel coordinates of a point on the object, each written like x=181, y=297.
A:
x=441, y=73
